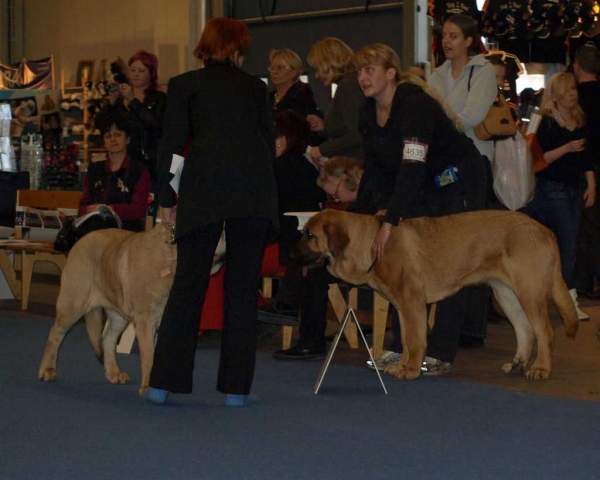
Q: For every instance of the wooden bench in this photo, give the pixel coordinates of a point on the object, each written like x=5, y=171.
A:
x=28, y=251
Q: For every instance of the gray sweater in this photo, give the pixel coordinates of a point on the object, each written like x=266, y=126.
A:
x=341, y=120
x=470, y=106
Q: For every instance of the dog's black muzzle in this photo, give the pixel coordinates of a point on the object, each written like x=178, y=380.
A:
x=303, y=256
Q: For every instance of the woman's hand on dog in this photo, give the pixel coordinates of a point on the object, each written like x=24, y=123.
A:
x=381, y=239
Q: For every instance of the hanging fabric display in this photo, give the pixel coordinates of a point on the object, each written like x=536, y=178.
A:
x=28, y=75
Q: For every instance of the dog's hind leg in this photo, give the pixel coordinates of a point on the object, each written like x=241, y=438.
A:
x=67, y=314
x=536, y=308
x=523, y=330
x=145, y=328
x=116, y=326
x=93, y=322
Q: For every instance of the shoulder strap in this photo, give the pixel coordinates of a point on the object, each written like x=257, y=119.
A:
x=469, y=82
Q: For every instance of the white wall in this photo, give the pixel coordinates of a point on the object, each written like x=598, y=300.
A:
x=74, y=30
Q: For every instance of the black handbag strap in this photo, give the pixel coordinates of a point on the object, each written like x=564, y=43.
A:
x=469, y=82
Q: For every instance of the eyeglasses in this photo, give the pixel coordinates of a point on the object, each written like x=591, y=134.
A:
x=279, y=68
x=337, y=189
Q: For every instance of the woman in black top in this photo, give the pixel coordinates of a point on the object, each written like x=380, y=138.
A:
x=291, y=93
x=227, y=182
x=417, y=163
x=141, y=102
x=569, y=180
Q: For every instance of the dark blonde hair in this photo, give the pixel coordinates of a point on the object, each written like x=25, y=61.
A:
x=338, y=166
x=290, y=57
x=222, y=38
x=332, y=58
x=379, y=54
x=556, y=89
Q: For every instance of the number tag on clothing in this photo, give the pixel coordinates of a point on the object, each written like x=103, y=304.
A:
x=414, y=152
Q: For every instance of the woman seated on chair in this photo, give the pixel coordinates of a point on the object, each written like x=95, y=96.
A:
x=117, y=181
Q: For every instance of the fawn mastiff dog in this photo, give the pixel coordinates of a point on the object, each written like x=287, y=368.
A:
x=128, y=275
x=428, y=259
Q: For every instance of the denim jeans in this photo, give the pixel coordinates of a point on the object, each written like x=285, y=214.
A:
x=558, y=206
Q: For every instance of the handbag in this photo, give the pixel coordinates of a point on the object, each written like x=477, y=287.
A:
x=512, y=169
x=498, y=122
x=537, y=155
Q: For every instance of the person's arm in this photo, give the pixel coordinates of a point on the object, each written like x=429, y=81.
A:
x=546, y=138
x=484, y=91
x=150, y=114
x=410, y=173
x=174, y=138
x=348, y=100
x=139, y=200
x=265, y=117
x=589, y=196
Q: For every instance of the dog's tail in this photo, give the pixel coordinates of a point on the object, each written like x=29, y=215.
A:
x=564, y=303
x=94, y=323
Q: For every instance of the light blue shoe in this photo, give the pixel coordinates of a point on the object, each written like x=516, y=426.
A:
x=239, y=400
x=156, y=396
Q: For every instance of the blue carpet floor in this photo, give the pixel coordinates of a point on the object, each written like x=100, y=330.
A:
x=81, y=427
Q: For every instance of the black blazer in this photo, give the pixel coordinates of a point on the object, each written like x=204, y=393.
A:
x=228, y=172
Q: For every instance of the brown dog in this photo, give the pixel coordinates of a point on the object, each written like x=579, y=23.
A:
x=429, y=259
x=127, y=274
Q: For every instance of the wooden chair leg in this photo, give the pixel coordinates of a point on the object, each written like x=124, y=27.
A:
x=286, y=336
x=127, y=338
x=26, y=274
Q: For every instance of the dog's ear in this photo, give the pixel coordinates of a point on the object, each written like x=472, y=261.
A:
x=337, y=238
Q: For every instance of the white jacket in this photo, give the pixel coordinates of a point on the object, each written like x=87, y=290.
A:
x=470, y=106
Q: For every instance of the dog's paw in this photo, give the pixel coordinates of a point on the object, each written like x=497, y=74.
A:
x=513, y=367
x=119, y=378
x=400, y=372
x=48, y=375
x=408, y=374
x=393, y=369
x=538, y=374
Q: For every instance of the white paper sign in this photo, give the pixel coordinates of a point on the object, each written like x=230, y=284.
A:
x=176, y=169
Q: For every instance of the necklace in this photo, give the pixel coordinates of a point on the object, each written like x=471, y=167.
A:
x=382, y=116
x=560, y=120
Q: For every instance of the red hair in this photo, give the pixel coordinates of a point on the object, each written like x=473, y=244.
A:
x=150, y=61
x=222, y=38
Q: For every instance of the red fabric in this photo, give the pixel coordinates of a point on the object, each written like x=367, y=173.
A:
x=214, y=304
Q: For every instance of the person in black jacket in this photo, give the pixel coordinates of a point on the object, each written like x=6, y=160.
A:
x=227, y=182
x=417, y=163
x=290, y=93
x=139, y=100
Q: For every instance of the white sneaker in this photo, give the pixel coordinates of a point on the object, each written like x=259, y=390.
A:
x=433, y=367
x=582, y=316
x=386, y=358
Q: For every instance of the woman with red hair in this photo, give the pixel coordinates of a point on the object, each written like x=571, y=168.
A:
x=139, y=101
x=227, y=183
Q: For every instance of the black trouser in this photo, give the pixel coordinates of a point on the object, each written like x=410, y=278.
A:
x=587, y=263
x=175, y=350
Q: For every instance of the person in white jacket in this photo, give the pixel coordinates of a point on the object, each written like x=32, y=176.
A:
x=466, y=80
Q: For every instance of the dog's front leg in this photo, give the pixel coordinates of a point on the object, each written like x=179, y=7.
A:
x=145, y=329
x=112, y=371
x=413, y=325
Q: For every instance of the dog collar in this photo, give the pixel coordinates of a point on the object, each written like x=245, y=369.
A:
x=372, y=265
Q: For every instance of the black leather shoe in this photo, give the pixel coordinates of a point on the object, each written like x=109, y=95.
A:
x=279, y=314
x=299, y=353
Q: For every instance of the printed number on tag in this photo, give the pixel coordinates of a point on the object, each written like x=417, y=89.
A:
x=414, y=152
